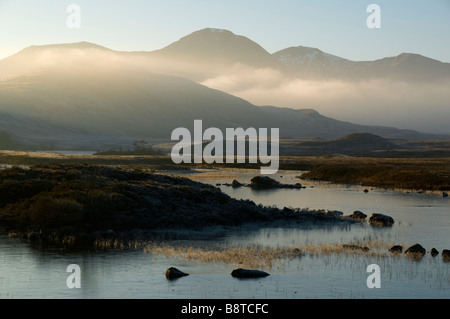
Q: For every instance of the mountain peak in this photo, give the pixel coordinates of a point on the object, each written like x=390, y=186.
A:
x=218, y=45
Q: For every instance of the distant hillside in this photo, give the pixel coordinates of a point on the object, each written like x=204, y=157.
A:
x=352, y=144
x=85, y=96
x=360, y=141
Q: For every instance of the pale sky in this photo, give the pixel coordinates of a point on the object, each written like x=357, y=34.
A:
x=336, y=27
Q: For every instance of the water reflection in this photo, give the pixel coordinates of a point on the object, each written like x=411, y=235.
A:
x=33, y=272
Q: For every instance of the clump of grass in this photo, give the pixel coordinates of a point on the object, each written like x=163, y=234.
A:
x=260, y=257
x=246, y=257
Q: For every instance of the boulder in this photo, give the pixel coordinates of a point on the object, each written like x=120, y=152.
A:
x=263, y=182
x=434, y=252
x=446, y=255
x=416, y=251
x=357, y=215
x=397, y=249
x=381, y=220
x=248, y=273
x=173, y=273
x=236, y=184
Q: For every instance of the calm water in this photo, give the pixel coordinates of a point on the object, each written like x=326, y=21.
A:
x=27, y=272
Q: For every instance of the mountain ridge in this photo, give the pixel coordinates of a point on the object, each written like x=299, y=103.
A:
x=219, y=45
x=85, y=95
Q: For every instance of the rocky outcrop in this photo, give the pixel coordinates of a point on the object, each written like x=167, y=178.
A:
x=174, y=273
x=381, y=220
x=416, y=251
x=248, y=273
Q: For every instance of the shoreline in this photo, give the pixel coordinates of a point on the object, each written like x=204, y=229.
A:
x=406, y=174
x=80, y=202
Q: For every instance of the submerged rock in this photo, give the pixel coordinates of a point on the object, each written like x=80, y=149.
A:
x=416, y=251
x=381, y=220
x=173, y=273
x=397, y=249
x=248, y=273
x=446, y=255
x=434, y=252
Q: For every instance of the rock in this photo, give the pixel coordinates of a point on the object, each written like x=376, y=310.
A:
x=397, y=249
x=434, y=252
x=357, y=215
x=446, y=255
x=416, y=251
x=173, y=273
x=248, y=273
x=366, y=190
x=444, y=194
x=381, y=220
x=236, y=184
x=265, y=182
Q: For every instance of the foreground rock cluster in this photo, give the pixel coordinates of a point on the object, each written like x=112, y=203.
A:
x=174, y=273
x=264, y=182
x=417, y=251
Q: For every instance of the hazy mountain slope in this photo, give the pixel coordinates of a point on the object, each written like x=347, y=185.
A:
x=86, y=95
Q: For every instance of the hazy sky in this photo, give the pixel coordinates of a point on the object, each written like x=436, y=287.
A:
x=336, y=27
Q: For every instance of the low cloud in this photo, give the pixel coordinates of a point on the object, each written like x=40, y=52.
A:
x=419, y=106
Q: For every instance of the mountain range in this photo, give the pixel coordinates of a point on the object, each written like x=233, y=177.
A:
x=86, y=96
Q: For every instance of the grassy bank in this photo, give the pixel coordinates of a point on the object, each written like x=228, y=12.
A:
x=408, y=174
x=423, y=174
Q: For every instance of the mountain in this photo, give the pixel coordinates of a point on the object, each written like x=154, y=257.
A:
x=94, y=96
x=306, y=62
x=210, y=52
x=217, y=46
x=86, y=96
x=311, y=62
